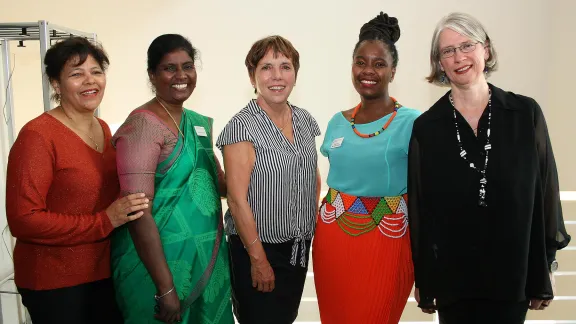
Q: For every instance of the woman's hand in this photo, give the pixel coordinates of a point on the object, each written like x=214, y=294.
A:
x=261, y=271
x=168, y=308
x=428, y=310
x=539, y=304
x=119, y=211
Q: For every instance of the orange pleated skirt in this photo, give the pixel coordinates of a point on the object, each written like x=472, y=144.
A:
x=361, y=278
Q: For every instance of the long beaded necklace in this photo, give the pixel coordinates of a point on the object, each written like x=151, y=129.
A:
x=91, y=128
x=169, y=114
x=396, y=107
x=487, y=148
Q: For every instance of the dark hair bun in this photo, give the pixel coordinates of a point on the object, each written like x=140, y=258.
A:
x=381, y=27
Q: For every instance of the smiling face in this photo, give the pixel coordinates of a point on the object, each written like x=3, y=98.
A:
x=463, y=69
x=372, y=69
x=175, y=77
x=81, y=86
x=274, y=78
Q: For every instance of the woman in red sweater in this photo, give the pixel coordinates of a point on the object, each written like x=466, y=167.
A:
x=61, y=196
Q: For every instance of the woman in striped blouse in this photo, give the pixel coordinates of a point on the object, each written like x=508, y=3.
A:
x=273, y=187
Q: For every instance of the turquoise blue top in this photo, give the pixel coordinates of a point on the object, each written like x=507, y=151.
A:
x=369, y=167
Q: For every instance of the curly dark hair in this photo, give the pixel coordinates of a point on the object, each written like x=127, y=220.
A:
x=73, y=48
x=381, y=28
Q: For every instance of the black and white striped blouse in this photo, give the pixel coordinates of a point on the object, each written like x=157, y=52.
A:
x=282, y=189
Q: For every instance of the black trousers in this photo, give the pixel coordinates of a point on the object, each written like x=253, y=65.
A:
x=90, y=303
x=483, y=312
x=277, y=307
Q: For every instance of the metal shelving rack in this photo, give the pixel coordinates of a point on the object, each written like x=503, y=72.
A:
x=41, y=31
x=20, y=33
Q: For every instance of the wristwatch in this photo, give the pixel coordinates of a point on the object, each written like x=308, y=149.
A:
x=554, y=266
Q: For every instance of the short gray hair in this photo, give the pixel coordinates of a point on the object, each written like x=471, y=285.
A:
x=465, y=25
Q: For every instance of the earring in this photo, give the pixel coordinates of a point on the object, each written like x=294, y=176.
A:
x=485, y=69
x=443, y=78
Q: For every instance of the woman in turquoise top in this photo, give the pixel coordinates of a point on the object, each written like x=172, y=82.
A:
x=362, y=261
x=380, y=163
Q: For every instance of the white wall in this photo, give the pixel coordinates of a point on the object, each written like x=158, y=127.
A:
x=534, y=39
x=561, y=79
x=322, y=31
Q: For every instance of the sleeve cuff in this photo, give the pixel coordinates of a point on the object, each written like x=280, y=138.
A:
x=107, y=226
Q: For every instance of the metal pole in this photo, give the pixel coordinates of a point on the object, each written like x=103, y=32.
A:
x=44, y=45
x=6, y=74
x=7, y=117
x=19, y=38
x=71, y=31
x=19, y=25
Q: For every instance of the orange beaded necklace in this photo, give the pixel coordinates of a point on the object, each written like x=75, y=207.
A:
x=396, y=107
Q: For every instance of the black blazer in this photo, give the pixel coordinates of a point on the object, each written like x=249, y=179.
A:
x=499, y=252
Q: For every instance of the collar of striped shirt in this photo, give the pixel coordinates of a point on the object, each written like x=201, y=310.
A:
x=254, y=108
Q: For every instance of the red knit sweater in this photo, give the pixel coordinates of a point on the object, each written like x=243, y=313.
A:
x=57, y=190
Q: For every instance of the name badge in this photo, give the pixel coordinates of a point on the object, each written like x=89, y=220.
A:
x=200, y=131
x=337, y=142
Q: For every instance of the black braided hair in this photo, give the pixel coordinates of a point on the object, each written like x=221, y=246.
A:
x=382, y=28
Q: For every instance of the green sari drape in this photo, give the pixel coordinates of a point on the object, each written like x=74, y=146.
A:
x=187, y=211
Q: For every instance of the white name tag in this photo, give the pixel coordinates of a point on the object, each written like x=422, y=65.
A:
x=337, y=142
x=200, y=131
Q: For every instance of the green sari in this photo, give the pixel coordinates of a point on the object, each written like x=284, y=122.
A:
x=188, y=212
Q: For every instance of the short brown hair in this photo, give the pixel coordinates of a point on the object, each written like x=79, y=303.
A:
x=276, y=43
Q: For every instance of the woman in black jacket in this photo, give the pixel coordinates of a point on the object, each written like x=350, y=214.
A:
x=485, y=214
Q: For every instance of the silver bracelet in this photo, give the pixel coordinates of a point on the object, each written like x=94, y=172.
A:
x=249, y=245
x=165, y=294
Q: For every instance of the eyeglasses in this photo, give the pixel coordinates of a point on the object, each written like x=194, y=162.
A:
x=464, y=48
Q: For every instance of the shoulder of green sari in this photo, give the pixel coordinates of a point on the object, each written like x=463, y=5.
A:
x=199, y=119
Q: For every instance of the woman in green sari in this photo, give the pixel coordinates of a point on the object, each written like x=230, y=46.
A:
x=172, y=264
